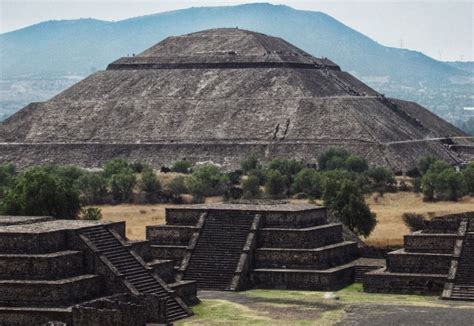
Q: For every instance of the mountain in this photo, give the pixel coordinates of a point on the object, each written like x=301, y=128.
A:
x=55, y=49
x=220, y=95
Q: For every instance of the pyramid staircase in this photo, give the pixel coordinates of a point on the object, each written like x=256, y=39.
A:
x=217, y=253
x=134, y=269
x=463, y=287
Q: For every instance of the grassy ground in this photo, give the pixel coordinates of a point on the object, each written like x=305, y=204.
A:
x=389, y=209
x=284, y=307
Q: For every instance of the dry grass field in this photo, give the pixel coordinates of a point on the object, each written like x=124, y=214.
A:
x=389, y=209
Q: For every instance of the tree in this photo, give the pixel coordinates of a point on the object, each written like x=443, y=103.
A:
x=116, y=166
x=428, y=185
x=93, y=187
x=425, y=163
x=7, y=173
x=356, y=164
x=413, y=221
x=451, y=185
x=468, y=174
x=181, y=166
x=198, y=188
x=249, y=163
x=348, y=204
x=121, y=186
x=150, y=184
x=212, y=181
x=177, y=187
x=275, y=185
x=37, y=192
x=382, y=179
x=308, y=181
x=260, y=174
x=251, y=187
x=333, y=158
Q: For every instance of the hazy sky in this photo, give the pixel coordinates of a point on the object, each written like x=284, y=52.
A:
x=443, y=29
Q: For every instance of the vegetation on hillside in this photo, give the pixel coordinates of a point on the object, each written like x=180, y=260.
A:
x=342, y=181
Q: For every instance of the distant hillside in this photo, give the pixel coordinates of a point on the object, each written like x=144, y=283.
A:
x=462, y=65
x=55, y=49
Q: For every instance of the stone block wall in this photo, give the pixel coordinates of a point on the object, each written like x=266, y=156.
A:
x=434, y=243
x=424, y=263
x=33, y=243
x=312, y=237
x=170, y=234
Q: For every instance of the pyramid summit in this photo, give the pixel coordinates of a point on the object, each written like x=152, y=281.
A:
x=220, y=95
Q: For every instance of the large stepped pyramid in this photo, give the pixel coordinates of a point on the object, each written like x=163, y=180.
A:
x=238, y=246
x=83, y=273
x=221, y=95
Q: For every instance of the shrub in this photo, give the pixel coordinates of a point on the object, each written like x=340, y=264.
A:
x=121, y=186
x=150, y=185
x=260, y=174
x=251, y=187
x=416, y=184
x=425, y=163
x=451, y=185
x=275, y=185
x=177, y=187
x=333, y=158
x=413, y=221
x=116, y=166
x=233, y=193
x=234, y=177
x=181, y=166
x=139, y=167
x=288, y=168
x=7, y=173
x=308, y=181
x=37, y=192
x=382, y=179
x=356, y=164
x=198, y=188
x=249, y=163
x=468, y=174
x=90, y=214
x=93, y=187
x=211, y=180
x=347, y=203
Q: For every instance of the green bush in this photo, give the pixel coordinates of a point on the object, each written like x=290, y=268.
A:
x=333, y=158
x=356, y=164
x=381, y=179
x=93, y=188
x=211, y=181
x=177, y=187
x=308, y=181
x=7, y=173
x=251, y=187
x=181, y=167
x=442, y=182
x=424, y=164
x=150, y=185
x=468, y=174
x=260, y=174
x=90, y=214
x=347, y=203
x=249, y=163
x=121, y=186
x=117, y=166
x=415, y=222
x=38, y=192
x=198, y=188
x=276, y=184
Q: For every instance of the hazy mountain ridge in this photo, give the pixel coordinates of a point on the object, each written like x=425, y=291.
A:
x=78, y=47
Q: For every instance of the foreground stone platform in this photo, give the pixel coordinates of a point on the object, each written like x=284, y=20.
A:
x=239, y=246
x=436, y=261
x=83, y=273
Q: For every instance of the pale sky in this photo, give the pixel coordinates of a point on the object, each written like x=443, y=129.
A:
x=442, y=29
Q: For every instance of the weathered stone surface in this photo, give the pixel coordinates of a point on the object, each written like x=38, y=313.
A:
x=220, y=95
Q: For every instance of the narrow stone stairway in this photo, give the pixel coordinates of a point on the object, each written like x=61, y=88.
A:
x=463, y=288
x=134, y=271
x=218, y=249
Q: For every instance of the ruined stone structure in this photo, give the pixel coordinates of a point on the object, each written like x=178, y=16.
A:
x=83, y=273
x=437, y=260
x=235, y=247
x=221, y=95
